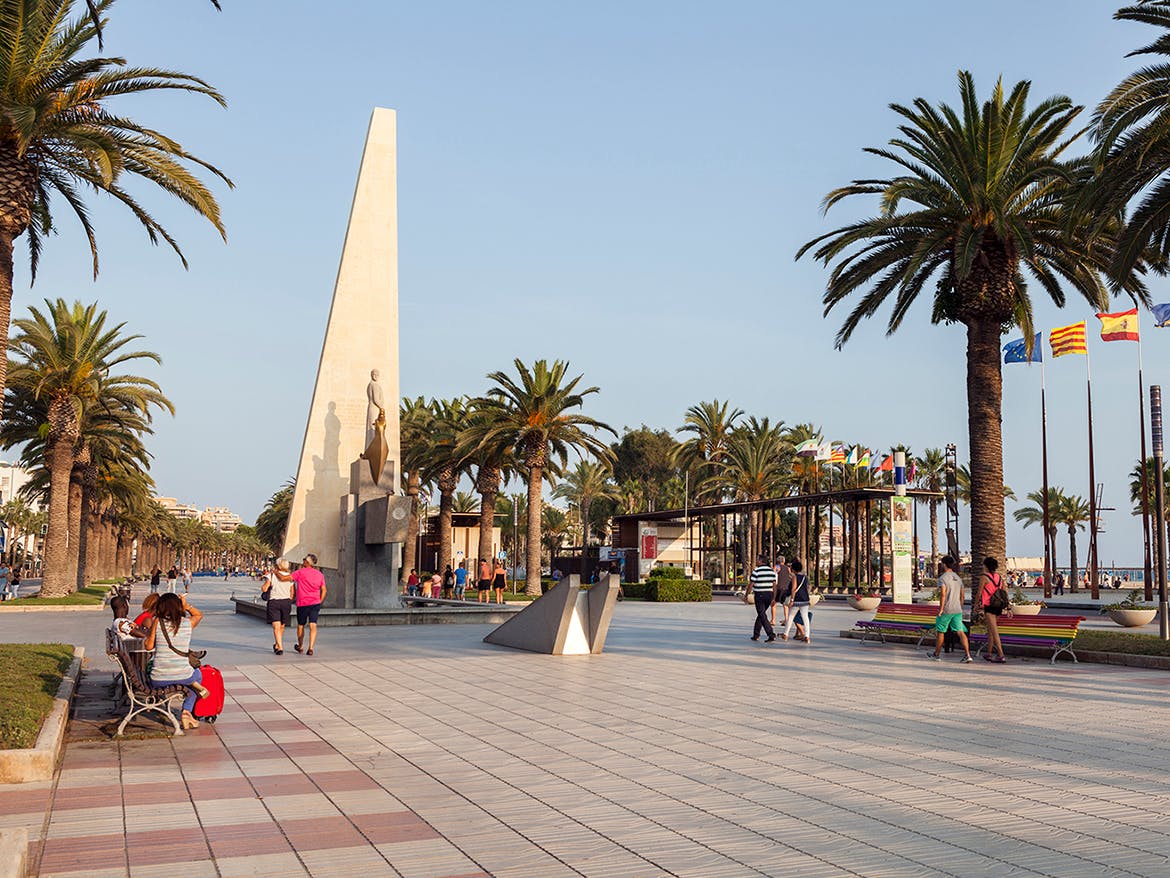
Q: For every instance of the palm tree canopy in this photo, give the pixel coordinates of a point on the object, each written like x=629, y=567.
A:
x=758, y=461
x=986, y=194
x=710, y=425
x=59, y=136
x=1034, y=514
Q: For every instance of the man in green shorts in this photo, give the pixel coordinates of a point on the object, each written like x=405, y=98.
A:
x=950, y=610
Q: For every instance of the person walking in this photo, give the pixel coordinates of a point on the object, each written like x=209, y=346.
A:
x=763, y=586
x=484, y=583
x=4, y=587
x=800, y=604
x=950, y=611
x=412, y=582
x=280, y=600
x=172, y=579
x=448, y=582
x=993, y=607
x=499, y=581
x=460, y=580
x=784, y=579
x=186, y=580
x=1058, y=584
x=310, y=591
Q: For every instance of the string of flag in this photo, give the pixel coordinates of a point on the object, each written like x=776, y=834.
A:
x=1071, y=339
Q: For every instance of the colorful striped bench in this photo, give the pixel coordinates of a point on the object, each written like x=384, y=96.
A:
x=1057, y=632
x=900, y=617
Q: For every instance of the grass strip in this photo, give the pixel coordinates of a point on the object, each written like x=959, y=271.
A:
x=91, y=595
x=30, y=674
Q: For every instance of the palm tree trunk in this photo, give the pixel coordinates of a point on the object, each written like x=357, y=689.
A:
x=532, y=554
x=933, y=538
x=1072, y=554
x=6, y=269
x=57, y=582
x=487, y=524
x=585, y=504
x=410, y=550
x=984, y=403
x=446, y=508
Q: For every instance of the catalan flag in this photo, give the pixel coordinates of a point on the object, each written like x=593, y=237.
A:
x=1068, y=340
x=1122, y=326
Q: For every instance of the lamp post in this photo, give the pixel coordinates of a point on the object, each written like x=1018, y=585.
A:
x=1159, y=506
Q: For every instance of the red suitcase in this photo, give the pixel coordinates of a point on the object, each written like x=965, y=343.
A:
x=211, y=707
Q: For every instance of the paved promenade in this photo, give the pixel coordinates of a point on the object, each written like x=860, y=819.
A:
x=685, y=750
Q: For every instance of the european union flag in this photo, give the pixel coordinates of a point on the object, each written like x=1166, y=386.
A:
x=1015, y=352
x=1161, y=315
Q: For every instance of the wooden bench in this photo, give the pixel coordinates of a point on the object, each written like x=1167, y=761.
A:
x=1056, y=632
x=900, y=617
x=139, y=694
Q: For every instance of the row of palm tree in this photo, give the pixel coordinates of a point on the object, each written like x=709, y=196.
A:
x=987, y=197
x=1064, y=510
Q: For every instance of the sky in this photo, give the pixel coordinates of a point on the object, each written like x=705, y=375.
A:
x=621, y=185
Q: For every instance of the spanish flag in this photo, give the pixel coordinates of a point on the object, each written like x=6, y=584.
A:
x=1068, y=340
x=1122, y=326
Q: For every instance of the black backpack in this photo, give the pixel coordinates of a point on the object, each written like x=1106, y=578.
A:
x=999, y=598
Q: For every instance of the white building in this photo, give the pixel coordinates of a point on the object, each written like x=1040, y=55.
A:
x=221, y=518
x=177, y=509
x=13, y=477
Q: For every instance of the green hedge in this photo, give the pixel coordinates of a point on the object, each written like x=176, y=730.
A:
x=636, y=590
x=668, y=573
x=669, y=589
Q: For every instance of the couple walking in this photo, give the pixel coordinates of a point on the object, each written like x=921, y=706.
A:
x=789, y=588
x=993, y=599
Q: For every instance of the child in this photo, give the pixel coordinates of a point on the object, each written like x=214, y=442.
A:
x=122, y=625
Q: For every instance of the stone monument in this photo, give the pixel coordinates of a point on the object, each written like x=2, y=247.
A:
x=563, y=621
x=361, y=343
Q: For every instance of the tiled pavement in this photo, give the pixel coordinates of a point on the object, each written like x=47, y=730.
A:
x=684, y=750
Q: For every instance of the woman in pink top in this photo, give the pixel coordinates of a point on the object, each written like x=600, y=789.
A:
x=991, y=583
x=310, y=594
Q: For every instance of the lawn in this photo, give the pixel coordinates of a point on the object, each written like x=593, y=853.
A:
x=1121, y=641
x=91, y=595
x=29, y=676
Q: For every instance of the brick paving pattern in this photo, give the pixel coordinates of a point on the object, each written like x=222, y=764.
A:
x=685, y=750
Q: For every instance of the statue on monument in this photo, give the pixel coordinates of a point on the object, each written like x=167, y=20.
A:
x=375, y=406
x=377, y=450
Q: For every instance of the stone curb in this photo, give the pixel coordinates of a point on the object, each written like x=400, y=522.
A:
x=1084, y=656
x=39, y=762
x=13, y=853
x=83, y=608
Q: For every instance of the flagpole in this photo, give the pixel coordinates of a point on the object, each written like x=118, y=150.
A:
x=1048, y=572
x=830, y=515
x=1094, y=584
x=1147, y=580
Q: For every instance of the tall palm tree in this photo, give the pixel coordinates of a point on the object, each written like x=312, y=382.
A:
x=494, y=459
x=538, y=421
x=272, y=521
x=1132, y=130
x=415, y=418
x=929, y=475
x=805, y=471
x=710, y=425
x=581, y=486
x=59, y=134
x=983, y=197
x=65, y=360
x=1135, y=485
x=465, y=503
x=1034, y=515
x=1072, y=512
x=448, y=460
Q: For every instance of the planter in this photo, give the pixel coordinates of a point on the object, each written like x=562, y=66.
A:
x=861, y=602
x=814, y=599
x=1132, y=618
x=1026, y=609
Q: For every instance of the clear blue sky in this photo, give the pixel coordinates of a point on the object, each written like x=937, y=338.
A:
x=620, y=185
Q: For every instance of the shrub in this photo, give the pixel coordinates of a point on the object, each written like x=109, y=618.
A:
x=636, y=590
x=674, y=590
x=666, y=572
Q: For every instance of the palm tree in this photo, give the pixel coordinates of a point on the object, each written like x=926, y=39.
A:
x=805, y=470
x=415, y=418
x=581, y=486
x=963, y=485
x=983, y=196
x=465, y=503
x=1073, y=512
x=494, y=459
x=94, y=7
x=1135, y=485
x=710, y=424
x=1034, y=515
x=929, y=475
x=272, y=521
x=448, y=461
x=1132, y=130
x=64, y=361
x=554, y=524
x=58, y=134
x=538, y=422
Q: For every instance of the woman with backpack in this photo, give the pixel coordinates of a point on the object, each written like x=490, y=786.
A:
x=800, y=603
x=993, y=597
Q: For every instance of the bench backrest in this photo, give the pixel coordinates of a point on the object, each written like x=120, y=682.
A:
x=1040, y=627
x=131, y=670
x=914, y=614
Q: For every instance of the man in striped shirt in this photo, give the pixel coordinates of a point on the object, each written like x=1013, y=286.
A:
x=763, y=585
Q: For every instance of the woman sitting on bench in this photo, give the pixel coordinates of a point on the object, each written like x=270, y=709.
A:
x=170, y=638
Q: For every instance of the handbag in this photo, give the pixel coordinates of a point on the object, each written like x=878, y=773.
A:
x=194, y=656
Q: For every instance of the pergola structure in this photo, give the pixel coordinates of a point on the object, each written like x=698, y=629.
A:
x=863, y=514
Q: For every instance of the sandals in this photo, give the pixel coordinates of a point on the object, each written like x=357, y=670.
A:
x=189, y=722
x=276, y=649
x=297, y=647
x=310, y=652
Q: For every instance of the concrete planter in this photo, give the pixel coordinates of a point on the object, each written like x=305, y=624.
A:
x=1132, y=618
x=38, y=763
x=1026, y=609
x=861, y=602
x=814, y=599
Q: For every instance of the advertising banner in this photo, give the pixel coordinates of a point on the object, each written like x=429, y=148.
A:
x=902, y=540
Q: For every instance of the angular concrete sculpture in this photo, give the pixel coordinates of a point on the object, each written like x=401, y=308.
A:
x=361, y=335
x=564, y=621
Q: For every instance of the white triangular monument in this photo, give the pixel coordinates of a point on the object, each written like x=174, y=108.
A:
x=564, y=621
x=361, y=336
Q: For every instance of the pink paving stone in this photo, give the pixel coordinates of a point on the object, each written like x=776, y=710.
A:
x=282, y=724
x=162, y=793
x=246, y=839
x=380, y=830
x=257, y=751
x=316, y=834
x=283, y=785
x=15, y=801
x=308, y=748
x=83, y=853
x=220, y=788
x=171, y=844
x=337, y=781
x=68, y=798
